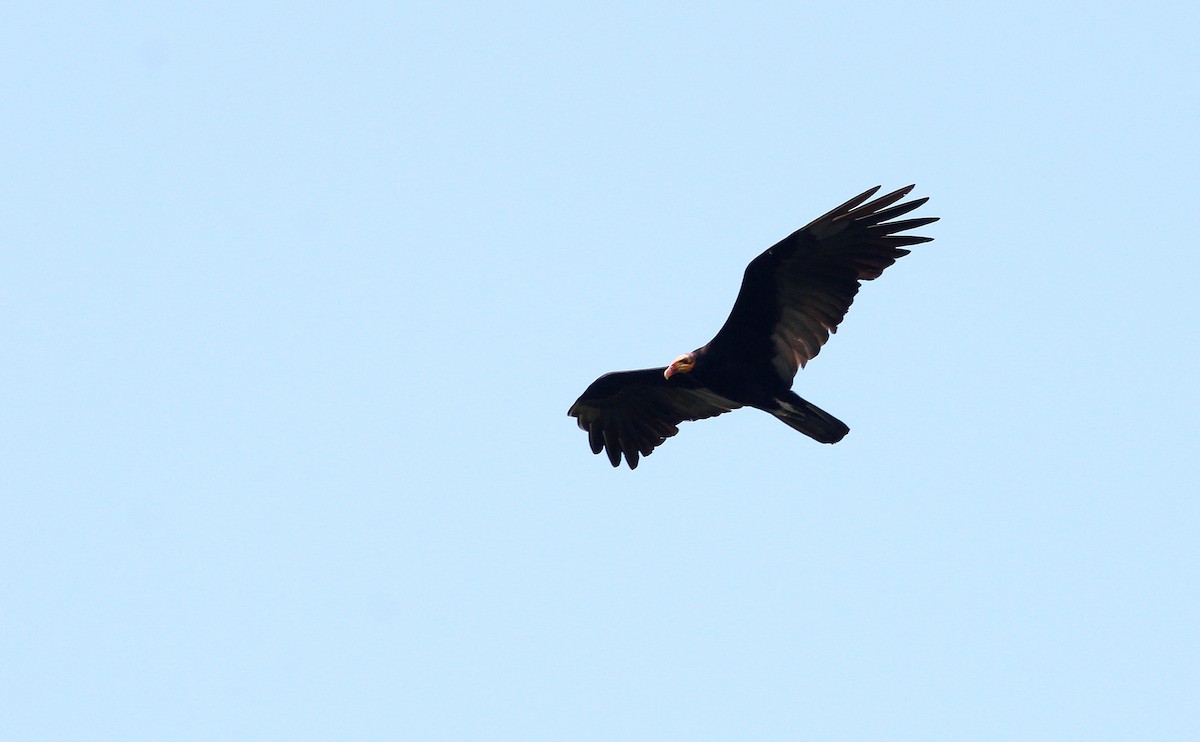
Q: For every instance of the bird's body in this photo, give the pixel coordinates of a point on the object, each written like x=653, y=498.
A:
x=792, y=297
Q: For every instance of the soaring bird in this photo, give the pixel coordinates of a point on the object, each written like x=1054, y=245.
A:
x=792, y=297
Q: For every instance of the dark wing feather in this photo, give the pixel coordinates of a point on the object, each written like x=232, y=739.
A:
x=632, y=412
x=797, y=292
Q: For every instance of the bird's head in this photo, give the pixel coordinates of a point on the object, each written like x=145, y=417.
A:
x=681, y=365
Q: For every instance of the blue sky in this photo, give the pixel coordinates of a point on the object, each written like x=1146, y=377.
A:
x=295, y=298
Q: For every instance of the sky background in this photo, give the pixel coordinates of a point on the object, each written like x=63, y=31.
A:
x=294, y=299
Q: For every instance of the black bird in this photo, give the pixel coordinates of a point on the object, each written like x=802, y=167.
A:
x=792, y=297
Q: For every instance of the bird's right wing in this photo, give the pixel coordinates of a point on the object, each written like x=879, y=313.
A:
x=632, y=412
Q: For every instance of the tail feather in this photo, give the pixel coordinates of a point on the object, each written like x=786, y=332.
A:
x=809, y=419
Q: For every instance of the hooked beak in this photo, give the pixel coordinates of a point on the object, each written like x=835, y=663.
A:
x=680, y=365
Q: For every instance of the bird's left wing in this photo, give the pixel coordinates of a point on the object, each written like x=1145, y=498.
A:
x=632, y=412
x=797, y=292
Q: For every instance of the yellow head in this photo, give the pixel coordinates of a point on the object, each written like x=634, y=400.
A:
x=680, y=365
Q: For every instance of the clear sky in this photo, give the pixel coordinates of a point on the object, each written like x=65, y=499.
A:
x=294, y=298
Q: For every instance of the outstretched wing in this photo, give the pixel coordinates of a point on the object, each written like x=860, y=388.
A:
x=797, y=292
x=632, y=412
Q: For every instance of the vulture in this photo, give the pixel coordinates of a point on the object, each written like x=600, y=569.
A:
x=792, y=297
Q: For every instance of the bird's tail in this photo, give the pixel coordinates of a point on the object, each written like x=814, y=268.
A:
x=808, y=418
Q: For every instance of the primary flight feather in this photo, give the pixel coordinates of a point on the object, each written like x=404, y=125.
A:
x=792, y=297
